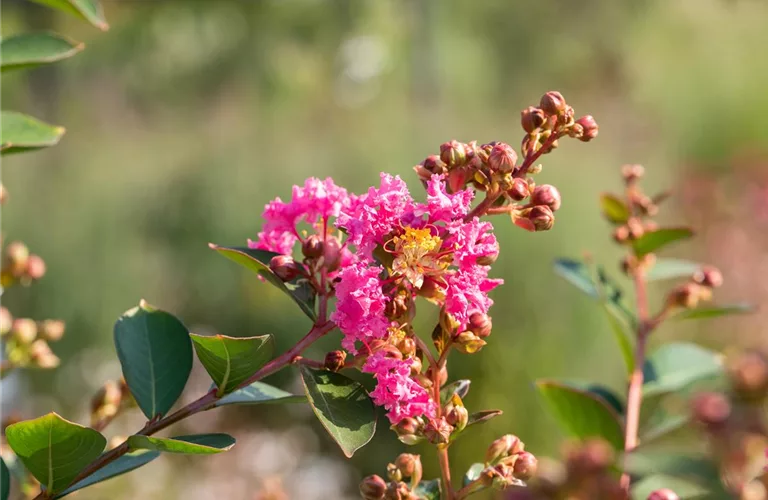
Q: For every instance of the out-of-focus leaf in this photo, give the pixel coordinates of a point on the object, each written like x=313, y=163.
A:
x=342, y=406
x=199, y=444
x=716, y=311
x=665, y=269
x=88, y=10
x=231, y=360
x=428, y=490
x=614, y=209
x=258, y=261
x=259, y=393
x=128, y=462
x=19, y=133
x=677, y=365
x=685, y=490
x=34, y=49
x=458, y=387
x=666, y=428
x=700, y=470
x=655, y=240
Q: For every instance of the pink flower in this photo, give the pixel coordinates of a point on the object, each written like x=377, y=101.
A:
x=360, y=305
x=442, y=206
x=395, y=390
x=471, y=241
x=467, y=293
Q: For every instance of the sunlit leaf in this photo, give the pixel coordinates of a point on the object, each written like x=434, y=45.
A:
x=259, y=393
x=231, y=360
x=199, y=444
x=614, y=209
x=128, y=462
x=677, y=365
x=458, y=387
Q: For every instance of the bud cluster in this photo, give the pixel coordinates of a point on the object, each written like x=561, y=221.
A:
x=507, y=464
x=26, y=341
x=20, y=266
x=697, y=289
x=405, y=466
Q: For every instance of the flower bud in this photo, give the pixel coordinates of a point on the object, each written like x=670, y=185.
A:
x=458, y=416
x=749, y=375
x=590, y=457
x=480, y=324
x=35, y=267
x=541, y=217
x=502, y=158
x=24, y=330
x=453, y=153
x=334, y=360
x=708, y=276
x=457, y=179
x=393, y=473
x=312, y=247
x=589, y=128
x=468, y=343
x=434, y=164
x=525, y=466
x=546, y=195
x=532, y=118
x=51, y=330
x=636, y=228
x=442, y=375
x=331, y=253
x=106, y=402
x=686, y=296
x=408, y=464
x=16, y=256
x=508, y=444
x=6, y=321
x=284, y=267
x=711, y=408
x=416, y=366
x=632, y=173
x=438, y=430
x=553, y=103
x=41, y=355
x=621, y=234
x=663, y=494
x=373, y=488
x=408, y=431
x=519, y=190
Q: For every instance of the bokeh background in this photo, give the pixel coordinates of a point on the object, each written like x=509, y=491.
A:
x=186, y=117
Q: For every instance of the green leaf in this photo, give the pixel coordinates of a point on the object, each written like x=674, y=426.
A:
x=34, y=49
x=19, y=132
x=5, y=480
x=700, y=470
x=259, y=393
x=614, y=209
x=641, y=490
x=88, y=10
x=155, y=353
x=231, y=360
x=199, y=444
x=677, y=365
x=458, y=387
x=581, y=413
x=480, y=417
x=665, y=269
x=342, y=406
x=669, y=430
x=654, y=240
x=473, y=473
x=428, y=490
x=258, y=260
x=53, y=449
x=578, y=274
x=716, y=311
x=128, y=462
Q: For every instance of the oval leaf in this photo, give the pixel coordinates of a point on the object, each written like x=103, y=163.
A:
x=716, y=311
x=5, y=480
x=53, y=449
x=126, y=463
x=677, y=365
x=19, y=132
x=582, y=414
x=428, y=490
x=155, y=353
x=258, y=261
x=259, y=393
x=458, y=387
x=231, y=360
x=199, y=444
x=665, y=269
x=34, y=49
x=88, y=10
x=614, y=209
x=342, y=406
x=654, y=240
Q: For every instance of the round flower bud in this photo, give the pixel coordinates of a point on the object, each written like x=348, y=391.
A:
x=621, y=234
x=532, y=118
x=6, y=321
x=285, y=267
x=408, y=464
x=408, y=425
x=334, y=360
x=749, y=374
x=24, y=330
x=708, y=276
x=632, y=173
x=663, y=494
x=502, y=157
x=457, y=179
x=589, y=128
x=434, y=164
x=453, y=153
x=525, y=466
x=546, y=195
x=553, y=103
x=42, y=356
x=480, y=324
x=711, y=408
x=312, y=247
x=16, y=256
x=331, y=253
x=51, y=329
x=542, y=218
x=438, y=431
x=458, y=416
x=506, y=445
x=636, y=228
x=373, y=488
x=686, y=296
x=519, y=190
x=35, y=267
x=442, y=375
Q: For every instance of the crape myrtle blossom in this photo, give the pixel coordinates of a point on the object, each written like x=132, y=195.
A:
x=395, y=390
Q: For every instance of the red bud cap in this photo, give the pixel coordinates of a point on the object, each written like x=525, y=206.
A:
x=480, y=324
x=542, y=218
x=453, y=153
x=546, y=195
x=284, y=267
x=663, y=494
x=525, y=466
x=502, y=157
x=312, y=247
x=532, y=118
x=708, y=276
x=519, y=190
x=589, y=128
x=373, y=488
x=553, y=103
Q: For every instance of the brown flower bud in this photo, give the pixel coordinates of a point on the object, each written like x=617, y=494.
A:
x=434, y=164
x=423, y=174
x=553, y=103
x=590, y=457
x=519, y=190
x=480, y=324
x=41, y=355
x=708, y=276
x=408, y=464
x=468, y=343
x=285, y=267
x=453, y=153
x=632, y=173
x=35, y=267
x=16, y=257
x=51, y=330
x=546, y=195
x=312, y=247
x=334, y=360
x=373, y=488
x=106, y=402
x=457, y=416
x=416, y=366
x=532, y=118
x=541, y=217
x=589, y=128
x=749, y=374
x=525, y=466
x=408, y=425
x=506, y=445
x=24, y=330
x=502, y=157
x=438, y=430
x=711, y=408
x=407, y=346
x=6, y=321
x=663, y=494
x=331, y=253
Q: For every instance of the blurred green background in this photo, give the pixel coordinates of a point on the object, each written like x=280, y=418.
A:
x=186, y=117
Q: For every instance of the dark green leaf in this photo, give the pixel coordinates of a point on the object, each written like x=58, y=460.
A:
x=716, y=311
x=88, y=10
x=614, y=209
x=53, y=449
x=677, y=365
x=33, y=49
x=155, y=353
x=342, y=406
x=473, y=473
x=259, y=393
x=458, y=387
x=654, y=240
x=201, y=444
x=428, y=490
x=665, y=269
x=641, y=490
x=5, y=480
x=19, y=132
x=231, y=360
x=126, y=463
x=581, y=413
x=258, y=260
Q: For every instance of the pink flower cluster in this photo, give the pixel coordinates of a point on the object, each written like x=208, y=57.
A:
x=395, y=390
